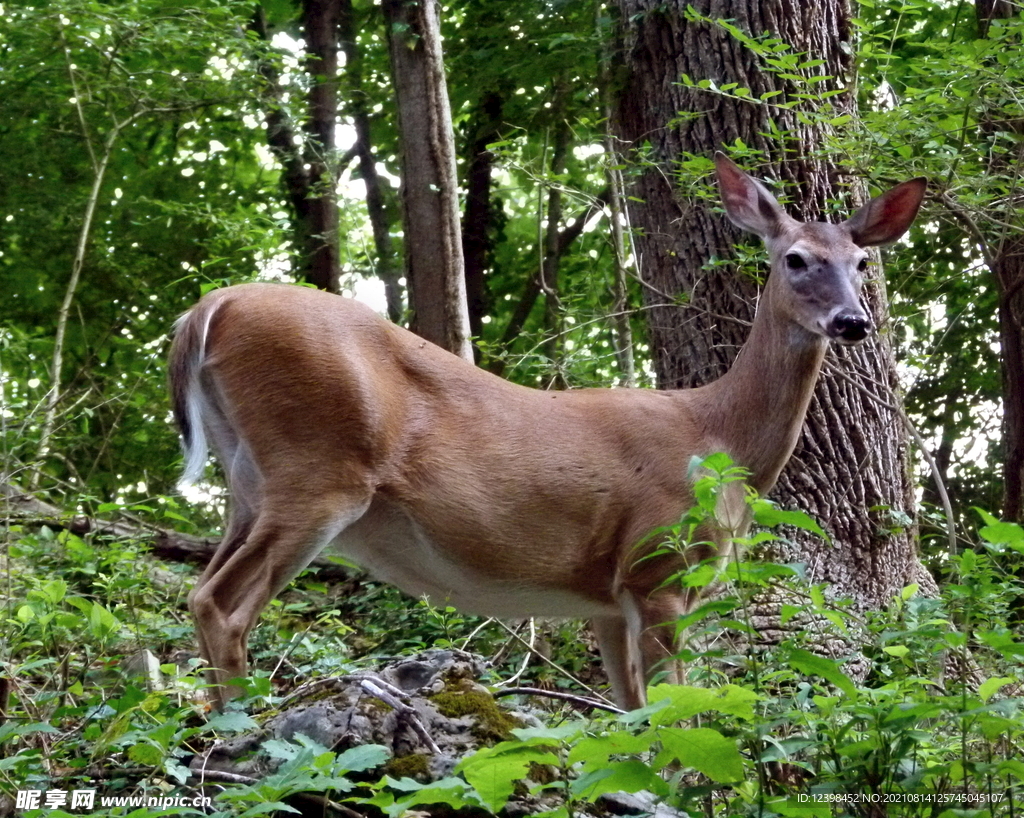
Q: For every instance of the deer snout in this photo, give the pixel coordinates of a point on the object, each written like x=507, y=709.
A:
x=850, y=328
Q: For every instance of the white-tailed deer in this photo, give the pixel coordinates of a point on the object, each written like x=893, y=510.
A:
x=337, y=429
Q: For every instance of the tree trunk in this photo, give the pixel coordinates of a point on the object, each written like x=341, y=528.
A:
x=850, y=468
x=433, y=244
x=550, y=252
x=387, y=269
x=310, y=171
x=479, y=217
x=320, y=26
x=1006, y=259
x=1009, y=269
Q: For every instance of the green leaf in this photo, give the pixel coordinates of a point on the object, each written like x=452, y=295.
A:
x=619, y=776
x=102, y=623
x=594, y=751
x=55, y=590
x=811, y=665
x=231, y=721
x=1000, y=533
x=988, y=688
x=684, y=702
x=1012, y=766
x=788, y=612
x=266, y=808
x=547, y=736
x=494, y=771
x=769, y=515
x=146, y=753
x=176, y=770
x=705, y=750
x=363, y=757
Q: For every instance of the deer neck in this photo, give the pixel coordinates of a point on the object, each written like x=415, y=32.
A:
x=755, y=411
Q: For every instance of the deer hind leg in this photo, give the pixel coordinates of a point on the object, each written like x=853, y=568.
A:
x=238, y=530
x=254, y=563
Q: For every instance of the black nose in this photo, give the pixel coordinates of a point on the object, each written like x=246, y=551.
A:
x=851, y=329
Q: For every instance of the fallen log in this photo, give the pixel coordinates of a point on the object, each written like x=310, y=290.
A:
x=24, y=508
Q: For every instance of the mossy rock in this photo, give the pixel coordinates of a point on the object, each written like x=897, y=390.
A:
x=414, y=765
x=491, y=723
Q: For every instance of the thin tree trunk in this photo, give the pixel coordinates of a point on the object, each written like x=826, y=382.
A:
x=1009, y=271
x=850, y=467
x=434, y=266
x=386, y=268
x=478, y=219
x=310, y=169
x=622, y=331
x=55, y=392
x=1006, y=260
x=533, y=286
x=320, y=26
x=551, y=254
x=99, y=170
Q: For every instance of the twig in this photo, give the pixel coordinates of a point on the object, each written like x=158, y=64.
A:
x=940, y=484
x=377, y=688
x=583, y=701
x=547, y=661
x=526, y=659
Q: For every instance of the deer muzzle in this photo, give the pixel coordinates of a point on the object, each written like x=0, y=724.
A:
x=850, y=328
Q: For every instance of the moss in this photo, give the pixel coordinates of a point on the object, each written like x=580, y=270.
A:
x=413, y=765
x=491, y=723
x=375, y=708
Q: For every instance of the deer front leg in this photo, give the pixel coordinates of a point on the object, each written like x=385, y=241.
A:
x=639, y=643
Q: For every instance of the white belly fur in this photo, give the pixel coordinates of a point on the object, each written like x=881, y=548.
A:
x=391, y=546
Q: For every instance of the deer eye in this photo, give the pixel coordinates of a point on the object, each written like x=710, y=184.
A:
x=795, y=261
x=862, y=265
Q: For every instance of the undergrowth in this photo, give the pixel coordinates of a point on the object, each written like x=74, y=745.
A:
x=934, y=727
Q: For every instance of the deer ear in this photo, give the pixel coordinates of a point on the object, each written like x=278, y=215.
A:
x=747, y=203
x=887, y=217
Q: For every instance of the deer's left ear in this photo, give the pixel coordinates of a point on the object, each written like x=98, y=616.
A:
x=747, y=203
x=887, y=217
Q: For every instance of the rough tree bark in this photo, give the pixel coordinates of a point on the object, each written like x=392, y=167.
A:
x=850, y=468
x=434, y=267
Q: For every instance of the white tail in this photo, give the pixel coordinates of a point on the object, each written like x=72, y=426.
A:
x=337, y=429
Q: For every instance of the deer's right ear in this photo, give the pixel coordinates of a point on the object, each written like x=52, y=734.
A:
x=747, y=203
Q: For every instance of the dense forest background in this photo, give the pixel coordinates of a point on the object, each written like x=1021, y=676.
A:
x=152, y=152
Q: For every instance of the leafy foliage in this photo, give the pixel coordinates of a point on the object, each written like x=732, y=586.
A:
x=754, y=737
x=153, y=117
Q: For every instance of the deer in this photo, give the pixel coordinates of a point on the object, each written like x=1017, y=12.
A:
x=340, y=431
